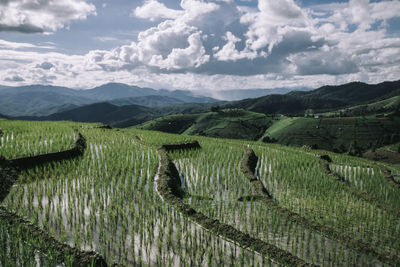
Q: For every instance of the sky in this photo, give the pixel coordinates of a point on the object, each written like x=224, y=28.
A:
x=199, y=44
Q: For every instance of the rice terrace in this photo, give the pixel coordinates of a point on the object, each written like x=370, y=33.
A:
x=80, y=194
x=186, y=133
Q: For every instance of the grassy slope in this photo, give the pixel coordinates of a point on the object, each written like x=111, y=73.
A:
x=170, y=124
x=237, y=124
x=389, y=154
x=387, y=105
x=231, y=124
x=335, y=133
x=323, y=99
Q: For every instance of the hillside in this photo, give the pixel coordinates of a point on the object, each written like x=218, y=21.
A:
x=322, y=99
x=389, y=154
x=105, y=113
x=238, y=94
x=177, y=124
x=354, y=92
x=38, y=100
x=388, y=105
x=235, y=124
x=111, y=91
x=335, y=134
x=118, y=116
x=353, y=135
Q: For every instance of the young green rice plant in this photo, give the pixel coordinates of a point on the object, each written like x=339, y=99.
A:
x=297, y=183
x=18, y=251
x=214, y=184
x=370, y=180
x=22, y=138
x=105, y=201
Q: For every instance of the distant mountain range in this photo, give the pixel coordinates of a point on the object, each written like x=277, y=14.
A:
x=148, y=101
x=40, y=100
x=239, y=94
x=44, y=100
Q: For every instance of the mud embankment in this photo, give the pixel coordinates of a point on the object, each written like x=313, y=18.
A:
x=8, y=176
x=9, y=172
x=389, y=177
x=28, y=162
x=248, y=165
x=10, y=169
x=169, y=187
x=188, y=145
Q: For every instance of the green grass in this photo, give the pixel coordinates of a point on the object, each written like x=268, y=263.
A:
x=279, y=126
x=387, y=105
x=355, y=135
x=170, y=124
x=33, y=138
x=227, y=123
x=392, y=147
x=336, y=134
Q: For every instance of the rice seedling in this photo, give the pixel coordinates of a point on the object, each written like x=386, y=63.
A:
x=106, y=200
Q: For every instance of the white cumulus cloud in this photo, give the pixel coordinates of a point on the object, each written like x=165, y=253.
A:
x=153, y=10
x=29, y=16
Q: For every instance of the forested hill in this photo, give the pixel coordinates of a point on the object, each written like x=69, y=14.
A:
x=322, y=99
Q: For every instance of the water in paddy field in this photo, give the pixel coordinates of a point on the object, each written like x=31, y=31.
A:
x=118, y=215
x=106, y=201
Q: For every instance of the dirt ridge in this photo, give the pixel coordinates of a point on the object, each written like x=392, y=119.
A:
x=323, y=230
x=248, y=165
x=324, y=164
x=168, y=185
x=77, y=149
x=389, y=177
x=9, y=172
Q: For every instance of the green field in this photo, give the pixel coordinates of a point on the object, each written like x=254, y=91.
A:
x=355, y=135
x=110, y=199
x=384, y=106
x=227, y=123
x=336, y=134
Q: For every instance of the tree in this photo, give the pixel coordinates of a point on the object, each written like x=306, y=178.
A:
x=215, y=108
x=314, y=146
x=268, y=139
x=308, y=113
x=394, y=138
x=354, y=149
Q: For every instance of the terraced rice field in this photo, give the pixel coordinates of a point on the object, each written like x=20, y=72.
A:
x=134, y=203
